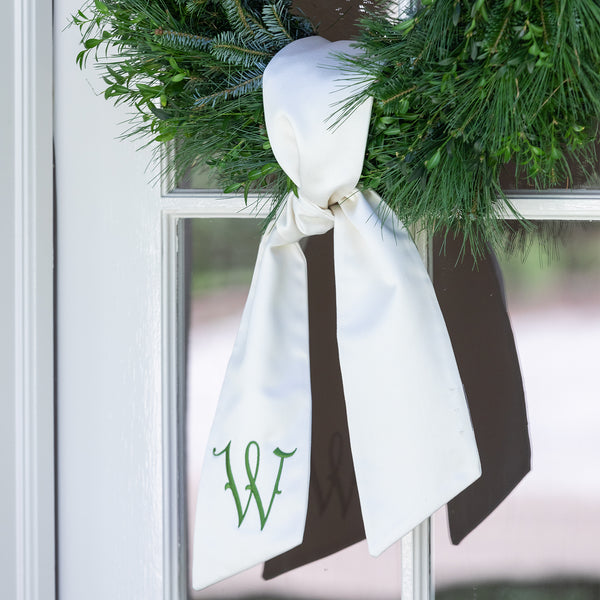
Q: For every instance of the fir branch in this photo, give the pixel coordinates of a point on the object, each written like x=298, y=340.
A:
x=243, y=22
x=230, y=48
x=272, y=17
x=246, y=83
x=183, y=39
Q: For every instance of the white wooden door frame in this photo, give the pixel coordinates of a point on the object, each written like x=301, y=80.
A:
x=27, y=541
x=417, y=569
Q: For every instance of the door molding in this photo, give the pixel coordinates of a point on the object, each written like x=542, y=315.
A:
x=27, y=347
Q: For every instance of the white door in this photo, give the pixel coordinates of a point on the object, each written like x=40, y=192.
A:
x=109, y=395
x=116, y=470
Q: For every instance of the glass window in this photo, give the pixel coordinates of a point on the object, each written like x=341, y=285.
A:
x=542, y=542
x=583, y=177
x=220, y=259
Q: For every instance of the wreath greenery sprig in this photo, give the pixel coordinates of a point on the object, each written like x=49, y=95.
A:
x=462, y=89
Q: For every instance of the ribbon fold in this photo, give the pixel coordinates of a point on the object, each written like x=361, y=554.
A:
x=411, y=436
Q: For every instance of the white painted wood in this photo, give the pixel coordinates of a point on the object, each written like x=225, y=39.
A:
x=173, y=426
x=110, y=474
x=576, y=205
x=417, y=566
x=210, y=205
x=416, y=559
x=26, y=311
x=8, y=339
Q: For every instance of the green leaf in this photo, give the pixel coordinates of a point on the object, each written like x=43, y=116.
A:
x=79, y=60
x=456, y=14
x=232, y=188
x=165, y=137
x=434, y=160
x=555, y=153
x=477, y=7
x=92, y=43
x=148, y=90
x=116, y=76
x=178, y=77
x=163, y=115
x=101, y=7
x=405, y=25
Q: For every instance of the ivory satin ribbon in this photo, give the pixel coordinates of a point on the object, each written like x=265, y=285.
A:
x=410, y=432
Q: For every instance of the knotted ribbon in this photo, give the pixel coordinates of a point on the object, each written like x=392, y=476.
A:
x=410, y=432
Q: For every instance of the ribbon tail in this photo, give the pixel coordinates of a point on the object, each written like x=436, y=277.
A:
x=410, y=431
x=252, y=497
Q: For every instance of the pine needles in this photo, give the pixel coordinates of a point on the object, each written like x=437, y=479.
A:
x=466, y=87
x=462, y=89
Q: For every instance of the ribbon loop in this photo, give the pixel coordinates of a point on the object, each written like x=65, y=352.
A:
x=302, y=88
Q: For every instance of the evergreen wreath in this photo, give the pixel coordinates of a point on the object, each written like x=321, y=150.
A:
x=462, y=90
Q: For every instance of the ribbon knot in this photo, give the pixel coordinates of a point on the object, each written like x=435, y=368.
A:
x=412, y=441
x=302, y=218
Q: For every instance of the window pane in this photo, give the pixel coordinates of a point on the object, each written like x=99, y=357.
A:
x=542, y=542
x=220, y=259
x=585, y=177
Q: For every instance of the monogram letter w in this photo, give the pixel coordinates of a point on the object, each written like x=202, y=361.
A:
x=252, y=487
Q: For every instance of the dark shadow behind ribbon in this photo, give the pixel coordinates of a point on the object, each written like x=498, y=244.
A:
x=474, y=307
x=333, y=519
x=472, y=301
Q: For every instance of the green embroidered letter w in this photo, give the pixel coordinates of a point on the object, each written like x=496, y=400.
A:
x=251, y=487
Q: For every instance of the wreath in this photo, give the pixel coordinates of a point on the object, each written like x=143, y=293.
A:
x=463, y=90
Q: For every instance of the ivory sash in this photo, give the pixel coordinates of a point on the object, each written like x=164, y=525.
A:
x=412, y=441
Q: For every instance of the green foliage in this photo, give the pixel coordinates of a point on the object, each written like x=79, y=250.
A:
x=461, y=89
x=192, y=71
x=467, y=86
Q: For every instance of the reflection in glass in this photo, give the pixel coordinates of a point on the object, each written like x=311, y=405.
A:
x=542, y=542
x=582, y=177
x=221, y=255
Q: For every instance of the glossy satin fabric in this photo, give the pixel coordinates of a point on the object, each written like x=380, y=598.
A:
x=410, y=432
